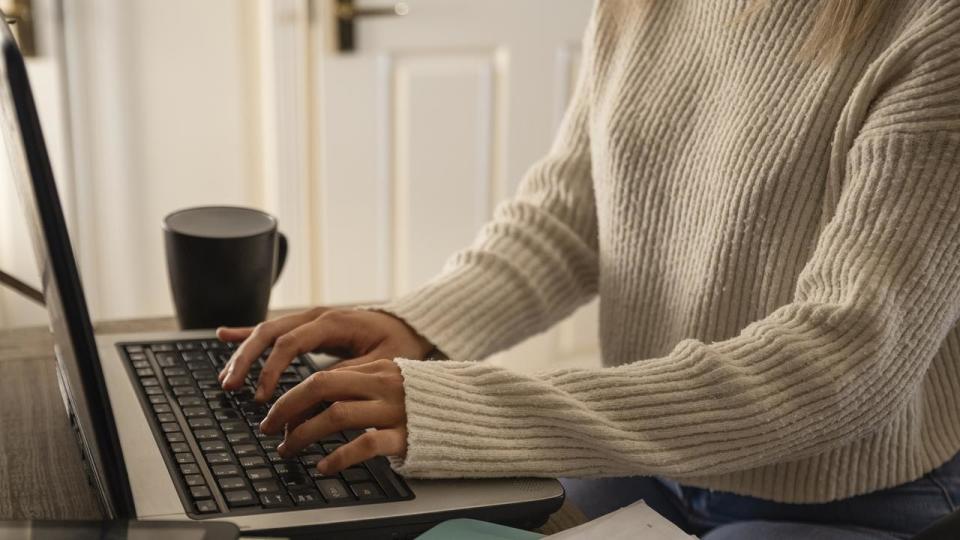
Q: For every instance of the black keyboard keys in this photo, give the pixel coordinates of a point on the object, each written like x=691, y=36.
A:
x=239, y=497
x=206, y=507
x=243, y=463
x=274, y=500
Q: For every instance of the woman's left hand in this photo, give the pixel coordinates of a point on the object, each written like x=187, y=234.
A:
x=363, y=396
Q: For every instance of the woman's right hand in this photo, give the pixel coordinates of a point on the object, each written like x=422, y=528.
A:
x=359, y=336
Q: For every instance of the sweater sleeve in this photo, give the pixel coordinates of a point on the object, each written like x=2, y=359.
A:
x=532, y=265
x=870, y=309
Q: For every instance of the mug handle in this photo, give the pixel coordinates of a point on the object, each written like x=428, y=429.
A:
x=281, y=255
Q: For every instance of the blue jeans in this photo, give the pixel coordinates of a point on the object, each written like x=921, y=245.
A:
x=897, y=512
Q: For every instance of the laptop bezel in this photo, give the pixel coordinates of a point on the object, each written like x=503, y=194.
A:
x=83, y=387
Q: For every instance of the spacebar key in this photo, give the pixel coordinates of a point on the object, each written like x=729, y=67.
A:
x=239, y=497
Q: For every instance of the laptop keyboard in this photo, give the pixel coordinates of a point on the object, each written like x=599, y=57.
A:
x=216, y=454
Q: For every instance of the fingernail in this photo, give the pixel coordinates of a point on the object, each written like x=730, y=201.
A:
x=264, y=426
x=282, y=450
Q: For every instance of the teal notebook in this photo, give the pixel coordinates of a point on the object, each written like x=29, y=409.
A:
x=471, y=529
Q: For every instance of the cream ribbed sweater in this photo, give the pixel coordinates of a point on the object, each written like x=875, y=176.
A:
x=776, y=248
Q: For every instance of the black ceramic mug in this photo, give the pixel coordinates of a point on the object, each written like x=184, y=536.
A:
x=222, y=262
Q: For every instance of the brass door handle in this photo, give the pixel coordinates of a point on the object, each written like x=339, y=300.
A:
x=19, y=14
x=347, y=13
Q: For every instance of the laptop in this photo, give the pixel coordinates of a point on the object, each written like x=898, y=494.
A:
x=161, y=441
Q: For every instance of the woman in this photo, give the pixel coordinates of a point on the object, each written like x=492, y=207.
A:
x=766, y=197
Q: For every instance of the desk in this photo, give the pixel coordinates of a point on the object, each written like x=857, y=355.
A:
x=40, y=475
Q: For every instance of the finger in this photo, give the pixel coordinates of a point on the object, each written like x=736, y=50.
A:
x=262, y=336
x=328, y=330
x=319, y=387
x=232, y=334
x=338, y=417
x=382, y=442
x=354, y=362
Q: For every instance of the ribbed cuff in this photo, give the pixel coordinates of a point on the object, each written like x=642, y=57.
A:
x=457, y=429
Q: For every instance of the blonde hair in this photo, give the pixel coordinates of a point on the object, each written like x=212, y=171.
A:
x=840, y=25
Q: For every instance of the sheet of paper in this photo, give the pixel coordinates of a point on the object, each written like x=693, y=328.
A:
x=635, y=522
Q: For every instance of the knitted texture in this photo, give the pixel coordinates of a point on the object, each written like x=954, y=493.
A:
x=776, y=250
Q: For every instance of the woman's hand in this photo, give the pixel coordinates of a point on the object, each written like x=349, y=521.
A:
x=360, y=336
x=365, y=395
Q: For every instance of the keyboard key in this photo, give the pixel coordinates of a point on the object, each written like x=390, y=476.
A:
x=184, y=457
x=161, y=408
x=184, y=391
x=180, y=447
x=179, y=381
x=201, y=423
x=194, y=412
x=253, y=461
x=246, y=450
x=201, y=375
x=259, y=474
x=141, y=364
x=174, y=371
x=188, y=345
x=134, y=348
x=239, y=437
x=226, y=414
x=274, y=457
x=367, y=491
x=213, y=394
x=305, y=497
x=156, y=400
x=144, y=372
x=270, y=443
x=287, y=467
x=198, y=364
x=212, y=344
x=231, y=482
x=217, y=404
x=195, y=355
x=214, y=445
x=266, y=486
x=167, y=359
x=295, y=480
x=200, y=492
x=333, y=438
x=153, y=390
x=170, y=427
x=194, y=480
x=175, y=437
x=274, y=500
x=225, y=470
x=166, y=417
x=289, y=378
x=217, y=458
x=233, y=426
x=162, y=347
x=189, y=468
x=310, y=460
x=206, y=507
x=355, y=474
x=329, y=448
x=333, y=490
x=239, y=497
x=189, y=401
x=316, y=475
x=206, y=434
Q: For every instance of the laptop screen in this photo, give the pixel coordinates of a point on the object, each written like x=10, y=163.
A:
x=81, y=380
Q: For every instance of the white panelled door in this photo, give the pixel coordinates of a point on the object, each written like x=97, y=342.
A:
x=422, y=129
